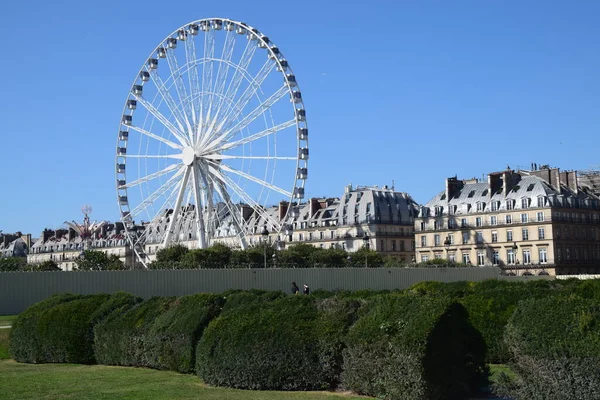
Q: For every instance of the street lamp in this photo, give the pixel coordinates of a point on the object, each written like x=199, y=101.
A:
x=366, y=243
x=265, y=235
x=515, y=248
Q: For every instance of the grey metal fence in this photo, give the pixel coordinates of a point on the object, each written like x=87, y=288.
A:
x=19, y=290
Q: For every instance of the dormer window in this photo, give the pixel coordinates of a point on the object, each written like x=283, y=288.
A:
x=439, y=210
x=480, y=206
x=510, y=204
x=525, y=202
x=471, y=193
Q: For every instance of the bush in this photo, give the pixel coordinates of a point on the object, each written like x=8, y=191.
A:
x=60, y=329
x=284, y=344
x=159, y=333
x=555, y=344
x=408, y=347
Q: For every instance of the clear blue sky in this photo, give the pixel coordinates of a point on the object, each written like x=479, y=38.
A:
x=411, y=91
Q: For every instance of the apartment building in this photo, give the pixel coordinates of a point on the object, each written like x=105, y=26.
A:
x=527, y=222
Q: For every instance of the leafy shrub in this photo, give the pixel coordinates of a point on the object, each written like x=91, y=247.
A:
x=283, y=344
x=555, y=344
x=239, y=298
x=409, y=347
x=159, y=333
x=60, y=329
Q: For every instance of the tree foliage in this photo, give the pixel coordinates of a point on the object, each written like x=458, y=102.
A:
x=93, y=260
x=8, y=264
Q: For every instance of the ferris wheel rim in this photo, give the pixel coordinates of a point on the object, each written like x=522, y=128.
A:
x=125, y=207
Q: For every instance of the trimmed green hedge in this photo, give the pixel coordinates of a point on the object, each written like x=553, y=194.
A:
x=409, y=347
x=290, y=343
x=159, y=333
x=60, y=329
x=555, y=344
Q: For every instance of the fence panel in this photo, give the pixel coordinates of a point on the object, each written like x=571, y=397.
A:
x=19, y=290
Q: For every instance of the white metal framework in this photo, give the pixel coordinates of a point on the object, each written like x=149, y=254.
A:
x=214, y=123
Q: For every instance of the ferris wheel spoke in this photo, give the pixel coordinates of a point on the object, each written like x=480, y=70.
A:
x=200, y=228
x=190, y=54
x=156, y=194
x=251, y=138
x=207, y=68
x=257, y=112
x=168, y=99
x=217, y=156
x=163, y=120
x=179, y=85
x=222, y=73
x=256, y=180
x=250, y=91
x=156, y=137
x=240, y=192
x=149, y=177
x=165, y=156
x=177, y=208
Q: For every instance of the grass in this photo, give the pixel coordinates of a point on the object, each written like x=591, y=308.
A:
x=87, y=382
x=7, y=320
x=4, y=344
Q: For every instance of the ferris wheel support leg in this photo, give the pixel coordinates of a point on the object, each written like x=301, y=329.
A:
x=177, y=208
x=227, y=198
x=199, y=208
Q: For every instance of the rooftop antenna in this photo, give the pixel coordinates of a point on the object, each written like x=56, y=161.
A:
x=393, y=185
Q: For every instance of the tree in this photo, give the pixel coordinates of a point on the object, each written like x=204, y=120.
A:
x=173, y=253
x=297, y=255
x=11, y=264
x=329, y=258
x=365, y=257
x=48, y=265
x=93, y=260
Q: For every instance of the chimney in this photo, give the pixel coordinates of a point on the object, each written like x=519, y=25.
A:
x=569, y=178
x=27, y=239
x=314, y=206
x=246, y=212
x=495, y=182
x=453, y=186
x=47, y=234
x=283, y=209
x=348, y=188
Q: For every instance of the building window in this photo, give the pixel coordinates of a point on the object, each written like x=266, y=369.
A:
x=452, y=257
x=510, y=256
x=423, y=241
x=478, y=221
x=393, y=244
x=480, y=258
x=543, y=255
x=495, y=205
x=568, y=253
x=451, y=224
x=510, y=204
x=466, y=259
x=439, y=210
x=402, y=245
x=479, y=237
x=525, y=232
x=300, y=237
x=526, y=257
x=525, y=202
x=495, y=258
x=509, y=236
x=509, y=219
x=451, y=238
x=494, y=237
x=438, y=256
x=424, y=258
x=541, y=233
x=382, y=244
x=540, y=216
x=465, y=237
x=524, y=218
x=480, y=206
x=540, y=201
x=463, y=222
x=332, y=234
x=321, y=235
x=436, y=240
x=437, y=225
x=310, y=236
x=493, y=220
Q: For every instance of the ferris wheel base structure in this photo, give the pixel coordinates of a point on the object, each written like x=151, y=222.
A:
x=213, y=130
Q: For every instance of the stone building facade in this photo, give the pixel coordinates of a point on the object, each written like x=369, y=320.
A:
x=527, y=222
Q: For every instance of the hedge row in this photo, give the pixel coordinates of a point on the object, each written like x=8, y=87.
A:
x=555, y=344
x=60, y=329
x=407, y=347
x=159, y=333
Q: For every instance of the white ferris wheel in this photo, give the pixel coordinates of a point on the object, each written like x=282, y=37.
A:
x=213, y=122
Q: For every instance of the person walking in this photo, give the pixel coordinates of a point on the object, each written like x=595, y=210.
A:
x=306, y=289
x=295, y=288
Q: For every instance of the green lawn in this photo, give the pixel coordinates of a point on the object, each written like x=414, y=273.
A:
x=4, y=344
x=7, y=320
x=82, y=382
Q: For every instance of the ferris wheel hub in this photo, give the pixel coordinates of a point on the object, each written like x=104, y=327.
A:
x=188, y=155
